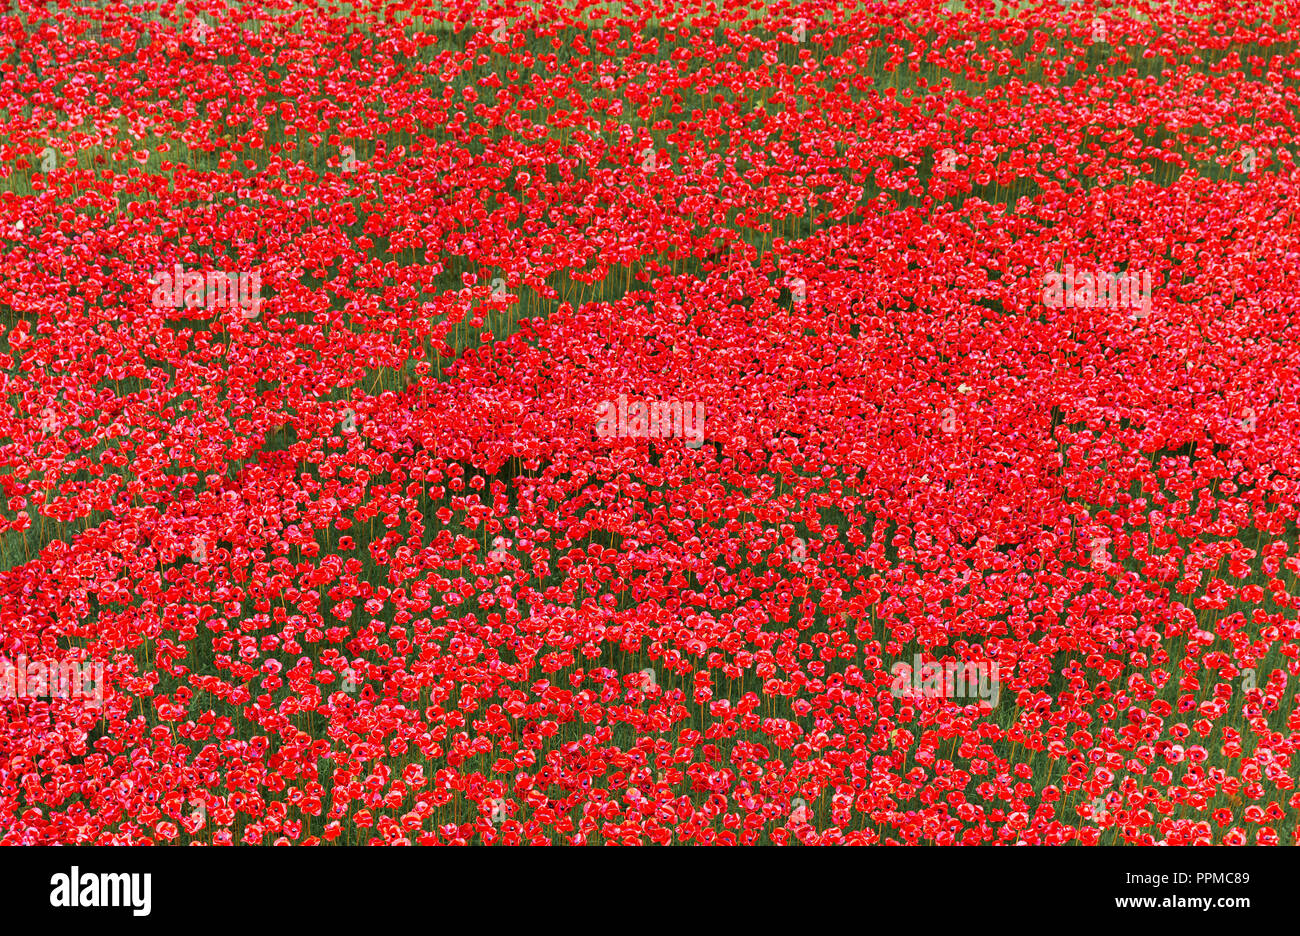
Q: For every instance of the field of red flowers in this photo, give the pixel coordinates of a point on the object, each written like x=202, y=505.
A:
x=648, y=423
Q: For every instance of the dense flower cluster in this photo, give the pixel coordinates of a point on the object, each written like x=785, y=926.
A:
x=356, y=565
